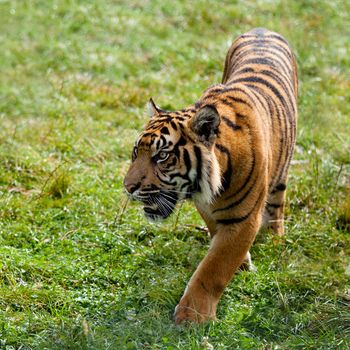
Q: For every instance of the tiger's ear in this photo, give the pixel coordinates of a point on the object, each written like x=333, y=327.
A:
x=205, y=123
x=153, y=109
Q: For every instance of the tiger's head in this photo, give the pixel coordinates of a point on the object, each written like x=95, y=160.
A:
x=173, y=159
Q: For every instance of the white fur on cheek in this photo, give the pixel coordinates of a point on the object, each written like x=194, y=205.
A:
x=210, y=183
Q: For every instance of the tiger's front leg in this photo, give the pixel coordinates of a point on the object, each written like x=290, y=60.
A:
x=226, y=253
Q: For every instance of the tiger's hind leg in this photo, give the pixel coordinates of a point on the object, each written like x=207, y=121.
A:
x=274, y=209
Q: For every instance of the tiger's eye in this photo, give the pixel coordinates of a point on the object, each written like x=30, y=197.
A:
x=161, y=156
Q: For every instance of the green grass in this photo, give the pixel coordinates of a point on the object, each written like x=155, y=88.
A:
x=80, y=268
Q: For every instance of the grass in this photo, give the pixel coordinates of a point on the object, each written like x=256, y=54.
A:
x=80, y=268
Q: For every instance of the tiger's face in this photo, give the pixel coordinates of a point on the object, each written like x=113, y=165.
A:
x=157, y=176
x=172, y=160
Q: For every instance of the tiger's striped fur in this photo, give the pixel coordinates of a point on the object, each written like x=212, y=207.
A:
x=230, y=152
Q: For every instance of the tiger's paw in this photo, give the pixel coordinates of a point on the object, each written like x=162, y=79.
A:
x=197, y=310
x=247, y=265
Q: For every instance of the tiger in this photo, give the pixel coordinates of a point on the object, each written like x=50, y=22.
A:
x=229, y=153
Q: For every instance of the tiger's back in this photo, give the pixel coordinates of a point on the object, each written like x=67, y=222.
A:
x=230, y=152
x=257, y=102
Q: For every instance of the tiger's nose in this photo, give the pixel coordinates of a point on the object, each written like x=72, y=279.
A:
x=130, y=186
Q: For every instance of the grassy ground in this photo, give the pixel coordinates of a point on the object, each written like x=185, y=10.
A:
x=80, y=268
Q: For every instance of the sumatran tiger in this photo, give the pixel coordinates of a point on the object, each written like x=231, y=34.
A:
x=230, y=152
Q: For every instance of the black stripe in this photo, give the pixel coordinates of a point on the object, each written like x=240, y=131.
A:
x=163, y=140
x=288, y=133
x=274, y=58
x=228, y=172
x=288, y=89
x=281, y=49
x=273, y=205
x=276, y=74
x=234, y=98
x=246, y=180
x=164, y=130
x=173, y=124
x=182, y=176
x=273, y=61
x=256, y=60
x=230, y=101
x=242, y=218
x=217, y=89
x=263, y=102
x=280, y=187
x=180, y=118
x=266, y=44
x=231, y=124
x=244, y=71
x=237, y=99
x=240, y=46
x=226, y=102
x=270, y=86
x=182, y=141
x=283, y=128
x=169, y=183
x=187, y=160
x=257, y=44
x=278, y=37
x=237, y=202
x=198, y=155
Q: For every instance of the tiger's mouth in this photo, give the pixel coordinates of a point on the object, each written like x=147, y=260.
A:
x=155, y=214
x=159, y=206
